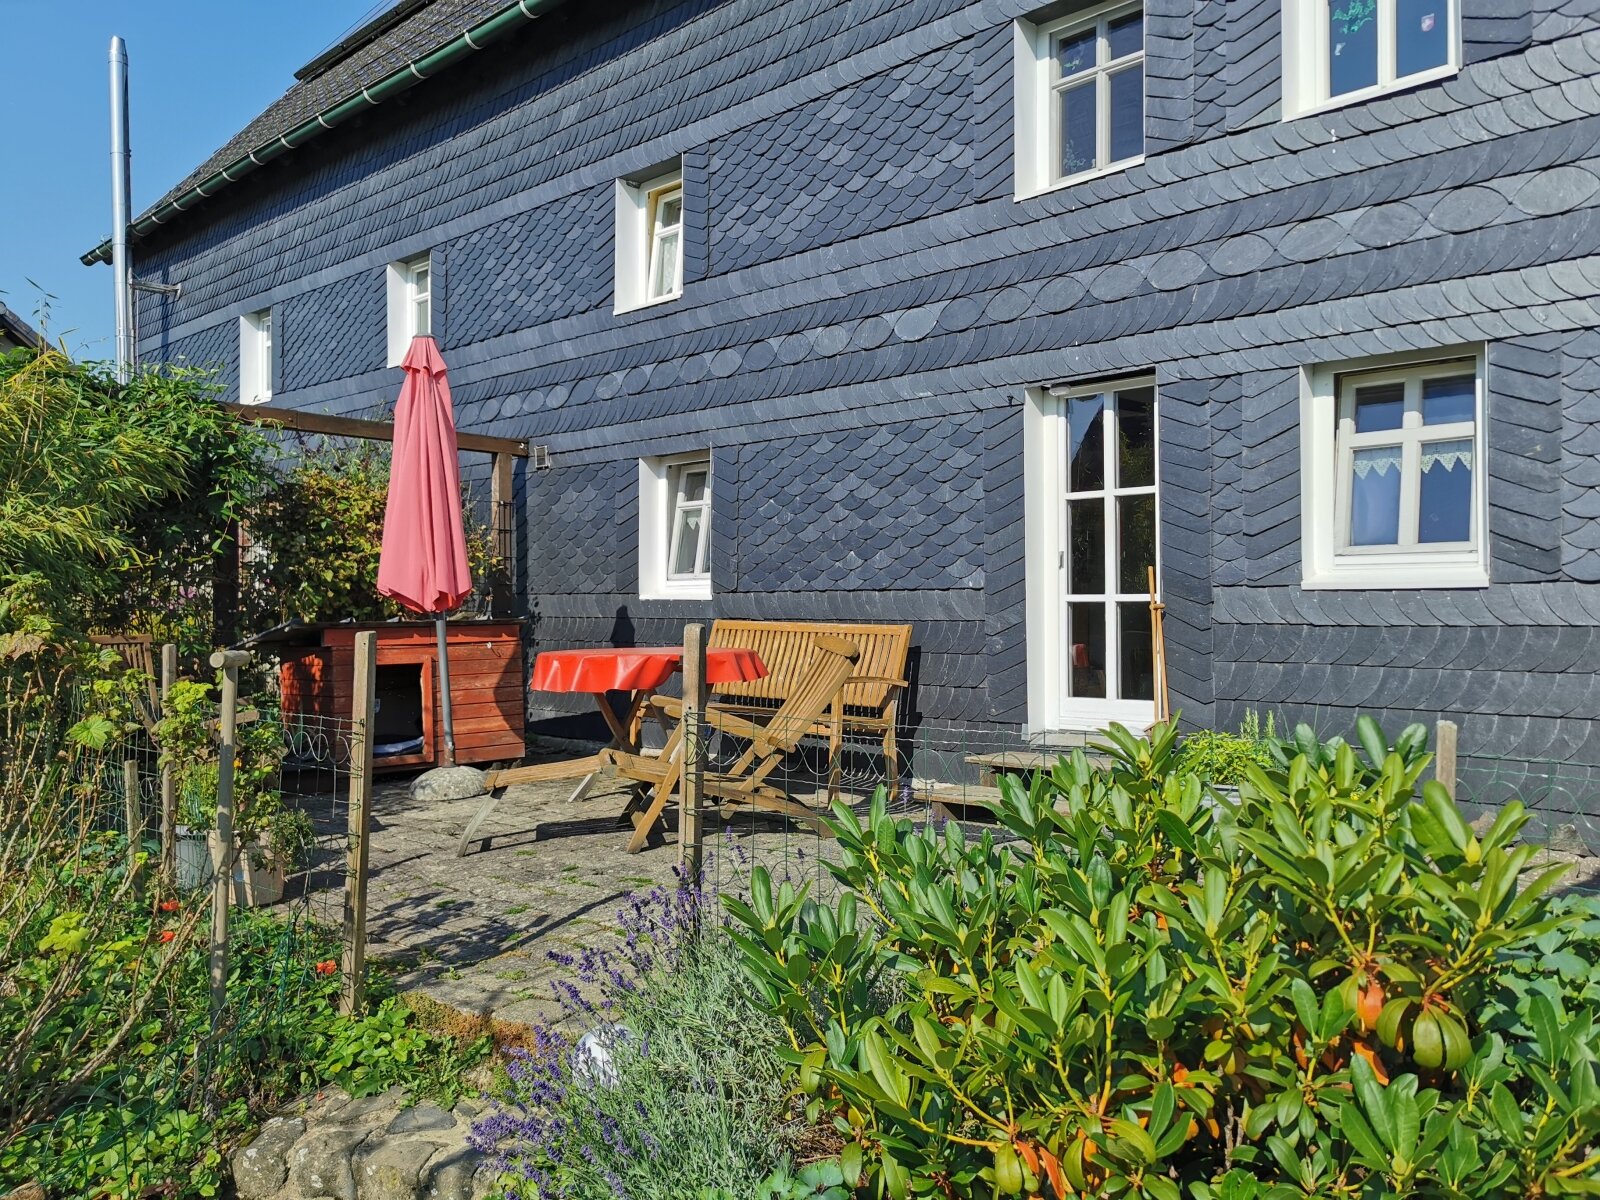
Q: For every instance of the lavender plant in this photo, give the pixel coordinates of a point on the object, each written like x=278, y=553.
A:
x=664, y=1080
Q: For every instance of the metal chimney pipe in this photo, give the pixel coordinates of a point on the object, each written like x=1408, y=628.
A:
x=121, y=216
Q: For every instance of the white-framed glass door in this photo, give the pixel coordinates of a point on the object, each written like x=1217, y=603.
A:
x=1108, y=540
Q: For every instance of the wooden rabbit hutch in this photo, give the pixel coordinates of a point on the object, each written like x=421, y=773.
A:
x=487, y=687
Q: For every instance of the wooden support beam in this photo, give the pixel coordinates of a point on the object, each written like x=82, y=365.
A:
x=363, y=712
x=502, y=519
x=355, y=427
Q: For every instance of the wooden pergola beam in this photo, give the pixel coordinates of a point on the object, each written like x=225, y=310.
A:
x=355, y=427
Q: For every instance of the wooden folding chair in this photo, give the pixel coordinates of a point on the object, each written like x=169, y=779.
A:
x=816, y=699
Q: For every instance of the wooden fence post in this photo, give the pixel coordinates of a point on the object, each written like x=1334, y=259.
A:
x=362, y=714
x=133, y=814
x=169, y=790
x=1444, y=755
x=222, y=849
x=691, y=820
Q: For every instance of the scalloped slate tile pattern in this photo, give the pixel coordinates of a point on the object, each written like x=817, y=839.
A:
x=889, y=151
x=899, y=506
x=333, y=332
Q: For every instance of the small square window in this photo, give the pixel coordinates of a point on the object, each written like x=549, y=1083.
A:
x=675, y=526
x=255, y=357
x=649, y=239
x=1393, y=460
x=410, y=286
x=1080, y=96
x=1340, y=52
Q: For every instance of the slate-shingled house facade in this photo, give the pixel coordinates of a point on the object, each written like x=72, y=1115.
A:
x=930, y=290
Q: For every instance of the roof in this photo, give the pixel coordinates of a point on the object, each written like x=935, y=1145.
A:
x=14, y=329
x=376, y=53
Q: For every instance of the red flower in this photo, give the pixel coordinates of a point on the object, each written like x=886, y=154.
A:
x=327, y=967
x=168, y=906
x=166, y=935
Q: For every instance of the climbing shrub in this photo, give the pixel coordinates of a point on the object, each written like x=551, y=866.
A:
x=1153, y=990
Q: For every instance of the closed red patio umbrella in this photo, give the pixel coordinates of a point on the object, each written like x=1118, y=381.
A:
x=423, y=561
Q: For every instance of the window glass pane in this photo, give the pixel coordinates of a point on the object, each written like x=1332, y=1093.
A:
x=1446, y=502
x=1136, y=545
x=664, y=271
x=686, y=545
x=1086, y=635
x=1375, y=497
x=670, y=210
x=1075, y=52
x=1086, y=541
x=1125, y=34
x=1078, y=125
x=1446, y=400
x=1352, y=45
x=1137, y=677
x=1086, y=470
x=1136, y=437
x=1421, y=35
x=1381, y=407
x=692, y=484
x=1127, y=114
x=424, y=317
x=419, y=280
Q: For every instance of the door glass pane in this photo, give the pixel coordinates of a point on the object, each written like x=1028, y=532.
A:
x=1446, y=400
x=1086, y=630
x=686, y=545
x=1075, y=52
x=1078, y=124
x=1086, y=542
x=1446, y=502
x=1380, y=407
x=1136, y=545
x=1127, y=114
x=1086, y=463
x=1137, y=675
x=1136, y=437
x=1375, y=497
x=1125, y=35
x=1352, y=45
x=1421, y=35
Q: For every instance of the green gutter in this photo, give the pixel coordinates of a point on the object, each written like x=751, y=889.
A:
x=413, y=73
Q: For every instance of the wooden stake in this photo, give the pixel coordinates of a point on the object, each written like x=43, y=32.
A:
x=222, y=846
x=1158, y=648
x=362, y=714
x=169, y=790
x=1445, y=737
x=691, y=818
x=133, y=814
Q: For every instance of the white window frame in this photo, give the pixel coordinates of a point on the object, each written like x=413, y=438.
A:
x=1036, y=138
x=410, y=303
x=639, y=236
x=255, y=357
x=1327, y=443
x=661, y=512
x=1051, y=707
x=1305, y=58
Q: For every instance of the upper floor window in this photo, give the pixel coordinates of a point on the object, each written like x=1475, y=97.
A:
x=255, y=357
x=1080, y=96
x=649, y=241
x=1394, y=461
x=410, y=285
x=675, y=526
x=1343, y=51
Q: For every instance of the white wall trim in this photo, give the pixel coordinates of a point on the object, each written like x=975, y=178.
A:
x=631, y=243
x=255, y=359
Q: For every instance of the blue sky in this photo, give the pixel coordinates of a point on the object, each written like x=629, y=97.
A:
x=199, y=71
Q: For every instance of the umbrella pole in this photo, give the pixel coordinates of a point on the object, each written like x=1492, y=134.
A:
x=444, y=697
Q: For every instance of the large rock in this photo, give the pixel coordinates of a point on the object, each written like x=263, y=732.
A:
x=262, y=1167
x=323, y=1162
x=447, y=783
x=393, y=1170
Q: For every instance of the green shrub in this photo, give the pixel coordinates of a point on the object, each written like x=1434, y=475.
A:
x=1224, y=758
x=1317, y=990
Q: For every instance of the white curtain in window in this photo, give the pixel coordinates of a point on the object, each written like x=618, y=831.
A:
x=1446, y=454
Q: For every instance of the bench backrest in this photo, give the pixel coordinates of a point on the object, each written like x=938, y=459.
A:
x=832, y=660
x=788, y=648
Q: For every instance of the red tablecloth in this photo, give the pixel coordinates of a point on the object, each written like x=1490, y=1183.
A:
x=635, y=668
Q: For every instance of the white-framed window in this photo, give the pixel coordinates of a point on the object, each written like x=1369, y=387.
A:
x=649, y=239
x=1079, y=96
x=1393, y=486
x=1339, y=52
x=255, y=357
x=410, y=291
x=675, y=526
x=1092, y=532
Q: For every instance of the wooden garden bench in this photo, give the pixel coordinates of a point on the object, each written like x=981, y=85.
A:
x=871, y=697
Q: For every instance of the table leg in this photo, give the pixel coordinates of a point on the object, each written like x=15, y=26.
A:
x=624, y=735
